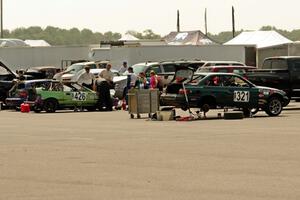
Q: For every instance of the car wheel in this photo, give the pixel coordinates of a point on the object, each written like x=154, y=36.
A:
x=50, y=105
x=233, y=115
x=37, y=109
x=274, y=106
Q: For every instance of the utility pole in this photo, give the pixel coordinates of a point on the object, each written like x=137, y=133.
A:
x=205, y=21
x=178, y=21
x=1, y=21
x=233, y=23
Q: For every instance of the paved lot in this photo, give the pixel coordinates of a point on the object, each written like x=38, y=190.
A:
x=70, y=156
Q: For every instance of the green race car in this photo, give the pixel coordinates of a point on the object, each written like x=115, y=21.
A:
x=64, y=95
x=218, y=90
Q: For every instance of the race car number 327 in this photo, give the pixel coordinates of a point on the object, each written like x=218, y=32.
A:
x=241, y=96
x=79, y=96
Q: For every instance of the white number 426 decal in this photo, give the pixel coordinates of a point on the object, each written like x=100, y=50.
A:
x=241, y=96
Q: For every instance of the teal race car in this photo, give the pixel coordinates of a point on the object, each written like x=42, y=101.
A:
x=64, y=95
x=219, y=90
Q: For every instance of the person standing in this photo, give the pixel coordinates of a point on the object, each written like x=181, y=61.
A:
x=123, y=68
x=131, y=82
x=153, y=80
x=104, y=87
x=86, y=79
x=131, y=77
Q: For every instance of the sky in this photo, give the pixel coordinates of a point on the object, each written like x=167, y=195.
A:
x=158, y=15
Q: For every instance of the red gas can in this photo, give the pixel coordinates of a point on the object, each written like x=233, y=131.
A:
x=25, y=108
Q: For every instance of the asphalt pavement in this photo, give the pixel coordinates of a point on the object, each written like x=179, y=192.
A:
x=106, y=155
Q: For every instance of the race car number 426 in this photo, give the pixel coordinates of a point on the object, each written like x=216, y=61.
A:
x=79, y=96
x=241, y=96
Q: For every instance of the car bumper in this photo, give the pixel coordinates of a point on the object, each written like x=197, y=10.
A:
x=14, y=102
x=172, y=100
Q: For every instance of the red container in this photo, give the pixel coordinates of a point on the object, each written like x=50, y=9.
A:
x=25, y=108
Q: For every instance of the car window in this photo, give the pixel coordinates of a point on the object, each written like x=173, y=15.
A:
x=137, y=69
x=239, y=71
x=3, y=71
x=169, y=67
x=296, y=65
x=233, y=81
x=222, y=70
x=279, y=64
x=267, y=64
x=155, y=68
x=66, y=88
x=92, y=66
x=213, y=81
x=58, y=87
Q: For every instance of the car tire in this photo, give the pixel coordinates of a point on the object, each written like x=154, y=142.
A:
x=50, y=105
x=233, y=115
x=273, y=107
x=37, y=109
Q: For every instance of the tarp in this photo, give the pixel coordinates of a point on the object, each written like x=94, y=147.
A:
x=259, y=38
x=188, y=38
x=37, y=43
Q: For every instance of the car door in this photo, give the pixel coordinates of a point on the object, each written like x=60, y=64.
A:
x=239, y=93
x=213, y=87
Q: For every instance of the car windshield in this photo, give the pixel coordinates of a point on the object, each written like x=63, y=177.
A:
x=137, y=69
x=197, y=78
x=74, y=68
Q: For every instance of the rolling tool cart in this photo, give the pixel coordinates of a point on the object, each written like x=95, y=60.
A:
x=143, y=101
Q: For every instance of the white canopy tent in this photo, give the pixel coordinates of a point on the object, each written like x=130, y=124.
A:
x=259, y=38
x=128, y=37
x=37, y=43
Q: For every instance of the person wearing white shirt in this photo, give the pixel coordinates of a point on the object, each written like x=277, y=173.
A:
x=86, y=79
x=104, y=87
x=123, y=69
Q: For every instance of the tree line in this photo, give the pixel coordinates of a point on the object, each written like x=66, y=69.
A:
x=74, y=36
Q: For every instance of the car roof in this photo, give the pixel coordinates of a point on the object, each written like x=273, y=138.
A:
x=44, y=67
x=215, y=73
x=228, y=66
x=283, y=57
x=39, y=80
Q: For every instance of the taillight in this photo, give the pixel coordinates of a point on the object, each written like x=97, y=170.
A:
x=184, y=91
x=23, y=94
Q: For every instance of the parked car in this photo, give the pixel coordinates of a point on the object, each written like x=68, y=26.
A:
x=6, y=80
x=166, y=69
x=72, y=70
x=64, y=95
x=120, y=82
x=221, y=63
x=41, y=72
x=25, y=91
x=216, y=90
x=282, y=72
x=240, y=70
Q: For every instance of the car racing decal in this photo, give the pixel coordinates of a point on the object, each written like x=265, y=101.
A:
x=241, y=96
x=79, y=96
